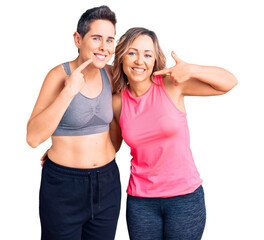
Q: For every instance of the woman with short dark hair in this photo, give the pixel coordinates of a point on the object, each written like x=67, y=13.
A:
x=80, y=187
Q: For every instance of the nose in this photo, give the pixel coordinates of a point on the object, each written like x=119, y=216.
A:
x=102, y=46
x=139, y=59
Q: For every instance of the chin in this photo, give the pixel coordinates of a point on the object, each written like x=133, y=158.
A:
x=99, y=64
x=137, y=79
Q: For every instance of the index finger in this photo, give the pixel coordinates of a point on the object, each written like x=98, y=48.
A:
x=83, y=65
x=175, y=57
x=163, y=72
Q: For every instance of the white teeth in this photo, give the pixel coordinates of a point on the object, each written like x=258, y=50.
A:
x=139, y=69
x=100, y=56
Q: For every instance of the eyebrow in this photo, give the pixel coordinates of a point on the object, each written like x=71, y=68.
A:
x=144, y=50
x=98, y=35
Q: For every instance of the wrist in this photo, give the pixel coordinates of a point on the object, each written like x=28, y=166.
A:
x=68, y=92
x=194, y=70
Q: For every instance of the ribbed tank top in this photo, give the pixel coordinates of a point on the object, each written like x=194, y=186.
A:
x=85, y=115
x=157, y=132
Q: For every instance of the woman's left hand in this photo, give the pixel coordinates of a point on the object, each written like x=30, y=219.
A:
x=181, y=72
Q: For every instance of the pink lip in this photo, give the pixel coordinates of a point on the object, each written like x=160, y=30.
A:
x=98, y=54
x=133, y=68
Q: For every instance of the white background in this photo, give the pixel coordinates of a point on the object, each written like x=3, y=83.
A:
x=226, y=131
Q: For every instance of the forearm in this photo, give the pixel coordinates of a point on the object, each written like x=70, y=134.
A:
x=41, y=126
x=218, y=78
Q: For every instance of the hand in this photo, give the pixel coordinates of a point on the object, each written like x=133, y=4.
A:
x=179, y=73
x=44, y=157
x=76, y=80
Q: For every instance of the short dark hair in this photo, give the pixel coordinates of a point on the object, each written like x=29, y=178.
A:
x=92, y=14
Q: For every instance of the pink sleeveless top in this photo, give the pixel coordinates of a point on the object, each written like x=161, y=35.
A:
x=157, y=132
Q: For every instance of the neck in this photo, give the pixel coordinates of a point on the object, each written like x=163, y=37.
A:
x=138, y=89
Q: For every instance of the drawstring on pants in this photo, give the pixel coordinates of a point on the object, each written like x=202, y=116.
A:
x=98, y=182
x=91, y=193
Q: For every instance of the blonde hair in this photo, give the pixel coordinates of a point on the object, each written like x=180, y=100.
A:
x=119, y=77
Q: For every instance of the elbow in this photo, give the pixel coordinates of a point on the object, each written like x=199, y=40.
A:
x=231, y=83
x=32, y=139
x=32, y=142
x=117, y=148
x=234, y=81
x=116, y=144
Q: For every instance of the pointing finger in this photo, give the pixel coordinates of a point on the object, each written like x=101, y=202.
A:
x=83, y=65
x=162, y=72
x=175, y=57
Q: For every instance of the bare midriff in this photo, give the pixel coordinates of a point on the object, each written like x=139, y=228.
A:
x=89, y=151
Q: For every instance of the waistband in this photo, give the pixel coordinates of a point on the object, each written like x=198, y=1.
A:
x=79, y=171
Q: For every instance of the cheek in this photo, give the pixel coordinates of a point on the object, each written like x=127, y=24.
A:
x=151, y=65
x=87, y=47
x=111, y=49
x=125, y=67
x=125, y=63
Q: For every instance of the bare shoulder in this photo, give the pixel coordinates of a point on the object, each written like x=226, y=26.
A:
x=51, y=87
x=54, y=80
x=57, y=72
x=175, y=92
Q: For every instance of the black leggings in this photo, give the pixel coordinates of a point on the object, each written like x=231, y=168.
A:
x=174, y=218
x=79, y=204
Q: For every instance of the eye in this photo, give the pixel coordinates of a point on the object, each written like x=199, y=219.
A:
x=96, y=38
x=148, y=56
x=132, y=53
x=109, y=41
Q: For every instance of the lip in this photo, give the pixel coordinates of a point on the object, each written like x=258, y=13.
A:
x=100, y=57
x=138, y=70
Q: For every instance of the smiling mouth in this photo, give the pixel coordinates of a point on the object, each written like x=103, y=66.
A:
x=139, y=70
x=100, y=56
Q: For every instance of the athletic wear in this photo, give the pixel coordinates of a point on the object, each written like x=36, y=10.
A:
x=85, y=115
x=79, y=204
x=157, y=132
x=182, y=217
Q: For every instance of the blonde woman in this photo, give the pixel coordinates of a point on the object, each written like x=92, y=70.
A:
x=165, y=196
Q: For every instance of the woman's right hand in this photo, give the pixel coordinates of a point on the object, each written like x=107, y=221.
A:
x=75, y=82
x=54, y=99
x=44, y=158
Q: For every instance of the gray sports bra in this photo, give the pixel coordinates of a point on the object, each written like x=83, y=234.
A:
x=85, y=115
